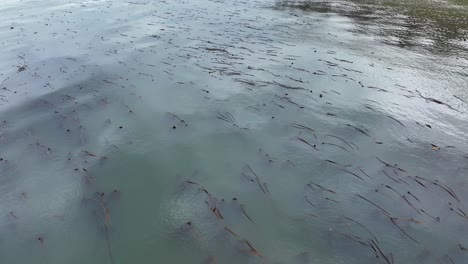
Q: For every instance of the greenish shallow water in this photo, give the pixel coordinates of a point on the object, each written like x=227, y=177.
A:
x=233, y=132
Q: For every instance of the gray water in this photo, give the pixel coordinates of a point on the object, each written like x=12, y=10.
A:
x=229, y=132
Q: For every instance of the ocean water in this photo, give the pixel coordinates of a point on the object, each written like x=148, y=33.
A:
x=229, y=132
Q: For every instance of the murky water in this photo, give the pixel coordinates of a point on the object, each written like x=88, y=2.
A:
x=232, y=132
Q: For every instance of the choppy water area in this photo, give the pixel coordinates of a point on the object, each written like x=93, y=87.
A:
x=437, y=26
x=225, y=132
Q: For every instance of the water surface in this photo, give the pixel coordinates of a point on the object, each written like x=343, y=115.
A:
x=232, y=132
